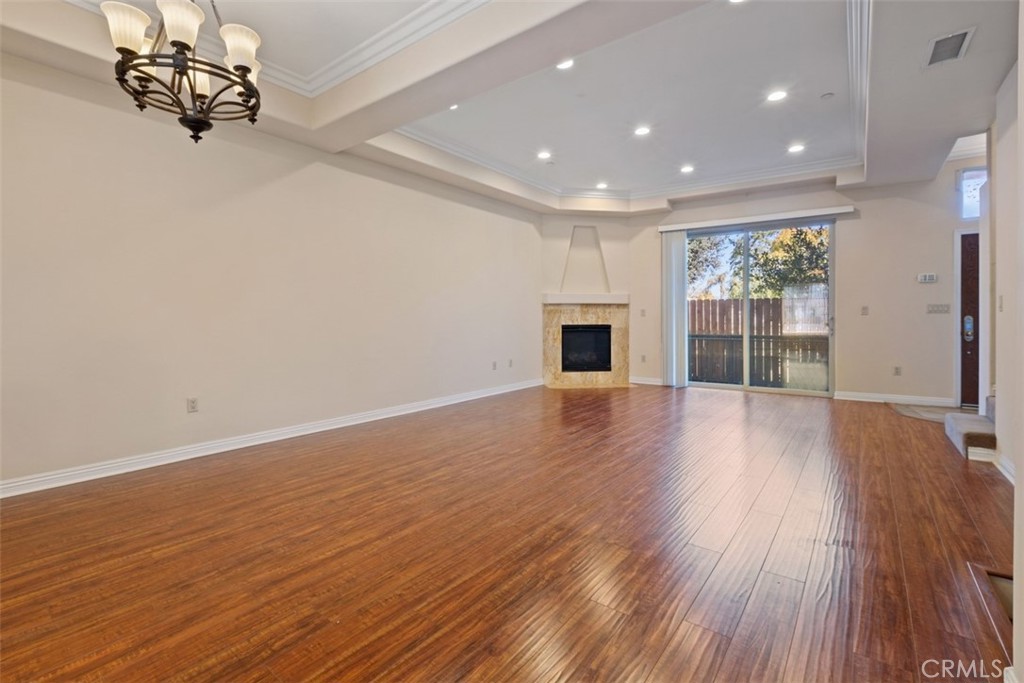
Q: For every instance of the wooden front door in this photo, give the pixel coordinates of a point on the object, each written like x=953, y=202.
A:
x=969, y=343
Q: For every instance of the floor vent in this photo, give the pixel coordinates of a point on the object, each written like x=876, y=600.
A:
x=949, y=48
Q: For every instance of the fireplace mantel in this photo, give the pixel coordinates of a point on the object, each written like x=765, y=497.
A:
x=585, y=298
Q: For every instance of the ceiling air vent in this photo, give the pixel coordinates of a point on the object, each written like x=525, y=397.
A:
x=949, y=48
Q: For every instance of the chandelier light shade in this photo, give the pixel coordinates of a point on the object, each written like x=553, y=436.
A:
x=182, y=19
x=127, y=25
x=241, y=42
x=198, y=91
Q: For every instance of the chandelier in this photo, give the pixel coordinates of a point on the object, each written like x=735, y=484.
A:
x=195, y=89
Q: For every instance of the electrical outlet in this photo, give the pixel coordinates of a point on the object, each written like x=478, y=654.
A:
x=864, y=310
x=897, y=371
x=192, y=405
x=643, y=312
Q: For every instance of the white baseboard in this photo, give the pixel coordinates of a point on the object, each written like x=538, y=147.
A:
x=656, y=381
x=979, y=454
x=1005, y=465
x=1009, y=675
x=74, y=475
x=896, y=398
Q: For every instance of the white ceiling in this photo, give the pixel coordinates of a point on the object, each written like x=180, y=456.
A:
x=699, y=81
x=376, y=78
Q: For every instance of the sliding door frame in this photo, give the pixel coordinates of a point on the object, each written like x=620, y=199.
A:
x=676, y=311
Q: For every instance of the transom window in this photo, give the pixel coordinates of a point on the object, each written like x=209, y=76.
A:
x=969, y=182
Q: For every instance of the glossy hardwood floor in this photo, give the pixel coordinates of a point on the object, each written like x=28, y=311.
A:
x=642, y=534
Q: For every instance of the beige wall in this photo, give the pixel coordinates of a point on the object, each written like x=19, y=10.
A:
x=1005, y=235
x=645, y=334
x=631, y=254
x=277, y=284
x=1009, y=165
x=896, y=233
x=613, y=237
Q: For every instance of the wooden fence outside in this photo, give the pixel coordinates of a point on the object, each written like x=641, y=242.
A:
x=776, y=359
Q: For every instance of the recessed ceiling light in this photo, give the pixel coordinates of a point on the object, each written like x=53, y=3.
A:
x=642, y=130
x=567, y=64
x=543, y=154
x=795, y=148
x=454, y=107
x=777, y=95
x=686, y=169
x=602, y=186
x=735, y=2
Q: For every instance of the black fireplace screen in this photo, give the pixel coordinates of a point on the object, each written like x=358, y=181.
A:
x=586, y=348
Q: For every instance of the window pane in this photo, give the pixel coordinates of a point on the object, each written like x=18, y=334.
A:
x=971, y=181
x=789, y=313
x=715, y=301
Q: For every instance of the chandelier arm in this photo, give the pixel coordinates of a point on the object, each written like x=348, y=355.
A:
x=162, y=101
x=129, y=66
x=216, y=13
x=231, y=111
x=159, y=38
x=233, y=77
x=181, y=83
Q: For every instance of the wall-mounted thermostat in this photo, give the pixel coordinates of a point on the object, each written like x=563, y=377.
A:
x=927, y=278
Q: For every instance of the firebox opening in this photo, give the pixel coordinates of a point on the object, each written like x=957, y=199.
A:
x=586, y=348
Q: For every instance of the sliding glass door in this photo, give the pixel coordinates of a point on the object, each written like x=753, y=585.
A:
x=715, y=311
x=758, y=307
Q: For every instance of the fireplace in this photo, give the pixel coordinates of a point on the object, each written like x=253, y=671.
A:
x=586, y=348
x=563, y=322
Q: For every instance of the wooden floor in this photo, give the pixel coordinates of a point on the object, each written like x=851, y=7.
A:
x=643, y=534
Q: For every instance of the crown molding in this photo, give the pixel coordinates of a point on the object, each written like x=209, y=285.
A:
x=410, y=29
x=471, y=155
x=823, y=168
x=431, y=17
x=858, y=45
x=808, y=171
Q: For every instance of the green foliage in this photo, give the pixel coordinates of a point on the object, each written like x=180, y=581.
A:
x=703, y=258
x=778, y=258
x=791, y=256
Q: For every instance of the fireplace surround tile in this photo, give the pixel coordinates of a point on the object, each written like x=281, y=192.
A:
x=556, y=315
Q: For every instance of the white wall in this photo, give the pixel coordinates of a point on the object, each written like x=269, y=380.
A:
x=277, y=284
